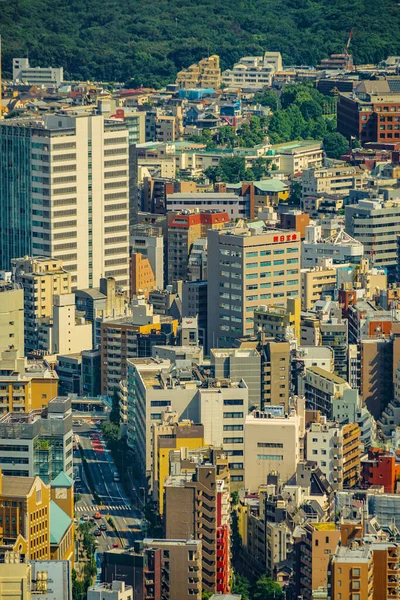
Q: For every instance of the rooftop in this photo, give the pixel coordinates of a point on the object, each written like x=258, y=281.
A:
x=17, y=486
x=59, y=523
x=353, y=555
x=326, y=375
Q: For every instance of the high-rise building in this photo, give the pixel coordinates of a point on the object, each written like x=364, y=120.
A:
x=318, y=544
x=272, y=443
x=336, y=450
x=276, y=321
x=49, y=166
x=38, y=442
x=237, y=364
x=41, y=279
x=25, y=385
x=170, y=435
x=322, y=389
x=183, y=230
x=376, y=224
x=352, y=574
x=194, y=304
x=11, y=317
x=275, y=374
x=148, y=240
x=251, y=266
x=204, y=496
x=141, y=276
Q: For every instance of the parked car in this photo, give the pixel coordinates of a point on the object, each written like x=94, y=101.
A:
x=115, y=545
x=97, y=533
x=103, y=527
x=97, y=515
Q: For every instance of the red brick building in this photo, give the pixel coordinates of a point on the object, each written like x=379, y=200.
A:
x=381, y=468
x=371, y=113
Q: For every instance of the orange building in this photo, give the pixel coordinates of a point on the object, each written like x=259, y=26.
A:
x=352, y=573
x=141, y=276
x=183, y=230
x=381, y=468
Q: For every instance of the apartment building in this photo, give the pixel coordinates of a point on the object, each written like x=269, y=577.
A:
x=25, y=385
x=59, y=162
x=276, y=321
x=24, y=73
x=332, y=180
x=299, y=155
x=352, y=573
x=141, y=276
x=167, y=436
x=38, y=442
x=42, y=279
x=296, y=220
x=194, y=304
x=69, y=333
x=275, y=374
x=181, y=567
x=139, y=567
x=317, y=546
x=183, y=230
x=204, y=74
x=156, y=385
x=148, y=240
x=334, y=334
x=322, y=389
x=272, y=444
x=126, y=338
x=253, y=73
x=237, y=364
x=371, y=113
x=11, y=317
x=204, y=496
x=21, y=580
x=376, y=224
x=340, y=247
x=255, y=266
x=336, y=450
x=318, y=281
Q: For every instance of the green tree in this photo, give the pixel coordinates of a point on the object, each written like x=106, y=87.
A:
x=214, y=174
x=267, y=98
x=260, y=168
x=233, y=169
x=241, y=586
x=280, y=127
x=267, y=589
x=335, y=144
x=115, y=414
x=310, y=109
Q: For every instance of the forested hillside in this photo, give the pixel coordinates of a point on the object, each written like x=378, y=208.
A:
x=150, y=40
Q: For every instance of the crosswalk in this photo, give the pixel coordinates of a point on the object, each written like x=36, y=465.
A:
x=94, y=508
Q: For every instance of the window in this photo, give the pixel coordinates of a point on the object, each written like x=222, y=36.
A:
x=280, y=251
x=269, y=445
x=251, y=254
x=269, y=457
x=356, y=585
x=233, y=427
x=234, y=402
x=252, y=265
x=279, y=262
x=233, y=440
x=355, y=572
x=161, y=403
x=233, y=415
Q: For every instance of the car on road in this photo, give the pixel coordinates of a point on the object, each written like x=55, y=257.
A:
x=117, y=477
x=115, y=545
x=103, y=527
x=97, y=515
x=97, y=533
x=85, y=517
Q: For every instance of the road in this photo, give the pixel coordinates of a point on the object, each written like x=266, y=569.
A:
x=114, y=502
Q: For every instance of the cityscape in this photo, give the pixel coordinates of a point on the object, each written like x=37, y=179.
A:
x=200, y=330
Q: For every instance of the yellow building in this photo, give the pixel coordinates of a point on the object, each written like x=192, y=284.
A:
x=25, y=385
x=36, y=519
x=205, y=74
x=171, y=435
x=273, y=321
x=317, y=281
x=41, y=279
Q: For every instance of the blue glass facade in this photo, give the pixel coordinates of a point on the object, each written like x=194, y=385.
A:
x=15, y=194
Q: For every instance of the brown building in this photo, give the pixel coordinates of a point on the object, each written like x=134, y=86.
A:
x=275, y=374
x=295, y=220
x=142, y=280
x=376, y=373
x=371, y=113
x=183, y=230
x=318, y=543
x=198, y=506
x=181, y=561
x=352, y=573
x=139, y=567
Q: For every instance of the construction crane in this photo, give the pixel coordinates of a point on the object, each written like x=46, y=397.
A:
x=346, y=50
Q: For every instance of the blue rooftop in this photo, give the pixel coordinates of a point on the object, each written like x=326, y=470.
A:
x=59, y=523
x=62, y=480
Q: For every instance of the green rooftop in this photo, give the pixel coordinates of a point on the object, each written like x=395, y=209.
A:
x=59, y=523
x=62, y=480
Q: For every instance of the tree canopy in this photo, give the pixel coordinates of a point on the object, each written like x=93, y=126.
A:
x=148, y=42
x=335, y=144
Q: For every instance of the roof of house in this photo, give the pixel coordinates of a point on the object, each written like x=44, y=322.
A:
x=59, y=523
x=17, y=486
x=62, y=480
